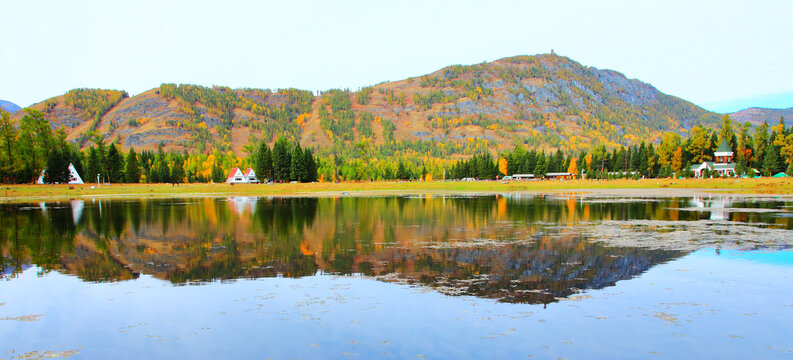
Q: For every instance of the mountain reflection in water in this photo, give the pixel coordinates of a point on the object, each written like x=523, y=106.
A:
x=514, y=249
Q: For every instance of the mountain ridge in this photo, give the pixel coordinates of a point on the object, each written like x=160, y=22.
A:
x=9, y=106
x=757, y=115
x=543, y=101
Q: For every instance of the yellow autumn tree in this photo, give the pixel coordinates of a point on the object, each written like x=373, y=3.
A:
x=699, y=146
x=677, y=160
x=502, y=165
x=573, y=168
x=670, y=142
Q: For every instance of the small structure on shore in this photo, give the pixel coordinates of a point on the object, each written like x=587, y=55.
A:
x=723, y=164
x=74, y=177
x=237, y=176
x=250, y=175
x=559, y=175
x=523, y=177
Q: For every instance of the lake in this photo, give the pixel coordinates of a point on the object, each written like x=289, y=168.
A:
x=396, y=277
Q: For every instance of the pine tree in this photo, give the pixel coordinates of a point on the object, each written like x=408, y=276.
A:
x=310, y=165
x=76, y=158
x=771, y=160
x=282, y=160
x=264, y=161
x=297, y=169
x=650, y=162
x=268, y=161
x=558, y=161
x=530, y=163
x=402, y=173
x=8, y=135
x=154, y=174
x=95, y=165
x=163, y=171
x=727, y=131
x=714, y=142
x=217, y=174
x=115, y=165
x=57, y=167
x=132, y=170
x=161, y=166
x=177, y=170
x=760, y=143
x=541, y=167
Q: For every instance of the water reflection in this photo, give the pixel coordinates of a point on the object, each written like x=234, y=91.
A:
x=511, y=248
x=716, y=206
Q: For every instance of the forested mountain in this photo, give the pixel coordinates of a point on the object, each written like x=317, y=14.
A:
x=527, y=114
x=544, y=101
x=757, y=116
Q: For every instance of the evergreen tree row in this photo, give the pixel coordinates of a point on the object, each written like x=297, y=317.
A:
x=284, y=163
x=31, y=146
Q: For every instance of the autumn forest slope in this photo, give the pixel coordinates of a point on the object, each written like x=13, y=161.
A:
x=543, y=101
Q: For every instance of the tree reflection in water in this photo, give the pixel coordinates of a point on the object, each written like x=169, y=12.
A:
x=510, y=248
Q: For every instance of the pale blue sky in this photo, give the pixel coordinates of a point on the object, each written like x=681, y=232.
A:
x=723, y=55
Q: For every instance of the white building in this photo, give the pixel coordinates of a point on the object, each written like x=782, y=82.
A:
x=523, y=176
x=236, y=176
x=74, y=177
x=250, y=175
x=723, y=164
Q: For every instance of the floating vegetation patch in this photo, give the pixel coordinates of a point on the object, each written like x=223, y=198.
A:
x=686, y=235
x=25, y=318
x=38, y=355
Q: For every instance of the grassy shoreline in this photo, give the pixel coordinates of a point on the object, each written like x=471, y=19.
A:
x=761, y=186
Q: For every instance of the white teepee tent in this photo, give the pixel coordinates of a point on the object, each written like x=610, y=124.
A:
x=74, y=177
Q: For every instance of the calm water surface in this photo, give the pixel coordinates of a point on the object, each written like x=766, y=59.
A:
x=503, y=276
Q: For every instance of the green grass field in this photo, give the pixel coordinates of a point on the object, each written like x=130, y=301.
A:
x=21, y=193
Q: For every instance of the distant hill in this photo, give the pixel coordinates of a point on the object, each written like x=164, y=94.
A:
x=9, y=106
x=756, y=115
x=544, y=101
